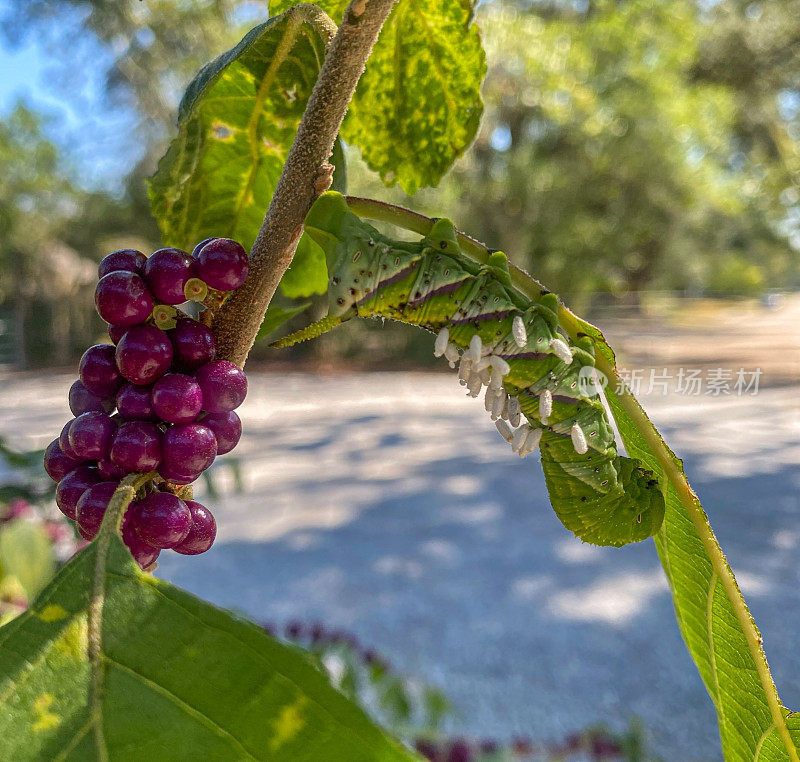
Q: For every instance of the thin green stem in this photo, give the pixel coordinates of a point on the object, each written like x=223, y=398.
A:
x=418, y=223
x=121, y=499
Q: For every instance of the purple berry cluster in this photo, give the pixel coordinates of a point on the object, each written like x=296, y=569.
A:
x=156, y=400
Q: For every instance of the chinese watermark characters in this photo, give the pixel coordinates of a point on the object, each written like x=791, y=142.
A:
x=691, y=382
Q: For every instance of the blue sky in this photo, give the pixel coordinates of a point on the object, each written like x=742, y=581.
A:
x=99, y=143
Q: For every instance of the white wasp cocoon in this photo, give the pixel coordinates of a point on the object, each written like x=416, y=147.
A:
x=499, y=404
x=562, y=351
x=483, y=364
x=474, y=385
x=519, y=437
x=488, y=400
x=465, y=369
x=514, y=411
x=500, y=368
x=496, y=380
x=531, y=442
x=486, y=376
x=507, y=402
x=504, y=429
x=500, y=365
x=475, y=348
x=545, y=405
x=452, y=354
x=578, y=439
x=442, y=340
x=519, y=332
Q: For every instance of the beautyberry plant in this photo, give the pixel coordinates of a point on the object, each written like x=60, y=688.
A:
x=142, y=407
x=109, y=662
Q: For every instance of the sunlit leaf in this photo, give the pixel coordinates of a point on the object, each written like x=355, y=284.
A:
x=176, y=679
x=236, y=124
x=708, y=606
x=418, y=104
x=276, y=316
x=26, y=553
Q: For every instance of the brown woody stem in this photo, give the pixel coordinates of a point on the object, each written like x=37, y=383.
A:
x=305, y=175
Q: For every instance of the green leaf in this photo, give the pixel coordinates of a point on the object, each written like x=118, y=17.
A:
x=236, y=124
x=277, y=316
x=712, y=614
x=26, y=553
x=395, y=701
x=172, y=679
x=308, y=273
x=418, y=104
x=339, y=167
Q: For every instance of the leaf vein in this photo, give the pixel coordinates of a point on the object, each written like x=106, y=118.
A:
x=76, y=739
x=257, y=654
x=183, y=706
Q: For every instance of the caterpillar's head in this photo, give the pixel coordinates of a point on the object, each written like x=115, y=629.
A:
x=350, y=247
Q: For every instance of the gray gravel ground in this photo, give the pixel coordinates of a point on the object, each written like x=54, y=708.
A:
x=388, y=504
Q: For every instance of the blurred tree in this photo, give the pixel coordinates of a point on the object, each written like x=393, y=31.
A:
x=39, y=274
x=36, y=194
x=603, y=164
x=156, y=48
x=753, y=49
x=624, y=145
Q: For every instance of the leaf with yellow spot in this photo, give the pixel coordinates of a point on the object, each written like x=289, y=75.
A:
x=45, y=719
x=175, y=679
x=288, y=724
x=52, y=613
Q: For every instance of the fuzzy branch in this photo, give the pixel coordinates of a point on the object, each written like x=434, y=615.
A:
x=305, y=175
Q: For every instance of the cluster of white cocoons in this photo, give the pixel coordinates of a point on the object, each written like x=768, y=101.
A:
x=478, y=367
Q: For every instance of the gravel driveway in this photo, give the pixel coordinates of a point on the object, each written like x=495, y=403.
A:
x=388, y=504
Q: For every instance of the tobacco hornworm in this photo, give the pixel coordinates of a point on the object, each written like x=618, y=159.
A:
x=504, y=341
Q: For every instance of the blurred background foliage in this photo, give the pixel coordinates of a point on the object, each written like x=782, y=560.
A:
x=625, y=146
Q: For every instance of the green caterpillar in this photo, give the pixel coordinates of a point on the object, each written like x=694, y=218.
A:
x=501, y=340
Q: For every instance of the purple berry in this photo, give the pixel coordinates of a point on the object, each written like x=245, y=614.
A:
x=459, y=752
x=145, y=555
x=134, y=403
x=72, y=486
x=189, y=449
x=122, y=298
x=92, y=507
x=224, y=386
x=162, y=519
x=177, y=476
x=57, y=463
x=144, y=354
x=81, y=400
x=177, y=398
x=202, y=532
x=193, y=344
x=99, y=372
x=65, y=446
x=166, y=272
x=109, y=471
x=227, y=428
x=137, y=447
x=428, y=749
x=90, y=435
x=196, y=249
x=123, y=259
x=116, y=332
x=222, y=264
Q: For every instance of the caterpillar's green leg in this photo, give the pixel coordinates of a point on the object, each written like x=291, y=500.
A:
x=309, y=332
